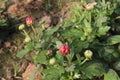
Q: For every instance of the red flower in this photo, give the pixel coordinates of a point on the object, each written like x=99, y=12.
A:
x=64, y=49
x=29, y=21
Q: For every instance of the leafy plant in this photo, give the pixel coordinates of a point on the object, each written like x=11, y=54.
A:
x=82, y=47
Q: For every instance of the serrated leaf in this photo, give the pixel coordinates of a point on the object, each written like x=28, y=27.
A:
x=22, y=53
x=29, y=46
x=58, y=44
x=41, y=57
x=70, y=68
x=85, y=44
x=38, y=45
x=77, y=43
x=103, y=30
x=75, y=10
x=113, y=40
x=72, y=33
x=92, y=69
x=53, y=73
x=109, y=53
x=101, y=18
x=111, y=75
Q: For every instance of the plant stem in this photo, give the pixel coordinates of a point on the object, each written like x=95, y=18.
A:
x=71, y=73
x=33, y=29
x=68, y=58
x=15, y=72
x=84, y=61
x=26, y=34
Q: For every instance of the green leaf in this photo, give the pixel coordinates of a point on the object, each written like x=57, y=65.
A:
x=85, y=44
x=117, y=65
x=30, y=46
x=92, y=69
x=38, y=45
x=113, y=40
x=78, y=45
x=109, y=53
x=53, y=73
x=72, y=33
x=100, y=19
x=49, y=32
x=87, y=24
x=41, y=57
x=111, y=75
x=58, y=44
x=70, y=68
x=75, y=9
x=103, y=30
x=22, y=53
x=59, y=58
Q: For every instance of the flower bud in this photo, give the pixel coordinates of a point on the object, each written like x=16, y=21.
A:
x=27, y=39
x=88, y=54
x=90, y=6
x=76, y=76
x=29, y=21
x=52, y=61
x=64, y=49
x=21, y=27
x=108, y=3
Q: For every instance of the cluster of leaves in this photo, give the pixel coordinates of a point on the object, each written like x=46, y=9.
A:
x=86, y=29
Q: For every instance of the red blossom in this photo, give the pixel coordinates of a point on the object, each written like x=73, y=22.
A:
x=29, y=21
x=64, y=49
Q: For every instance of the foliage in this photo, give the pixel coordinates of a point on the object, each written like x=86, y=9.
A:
x=85, y=30
x=111, y=75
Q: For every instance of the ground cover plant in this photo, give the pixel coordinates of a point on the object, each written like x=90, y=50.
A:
x=83, y=45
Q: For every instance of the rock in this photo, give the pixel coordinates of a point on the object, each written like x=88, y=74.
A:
x=29, y=70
